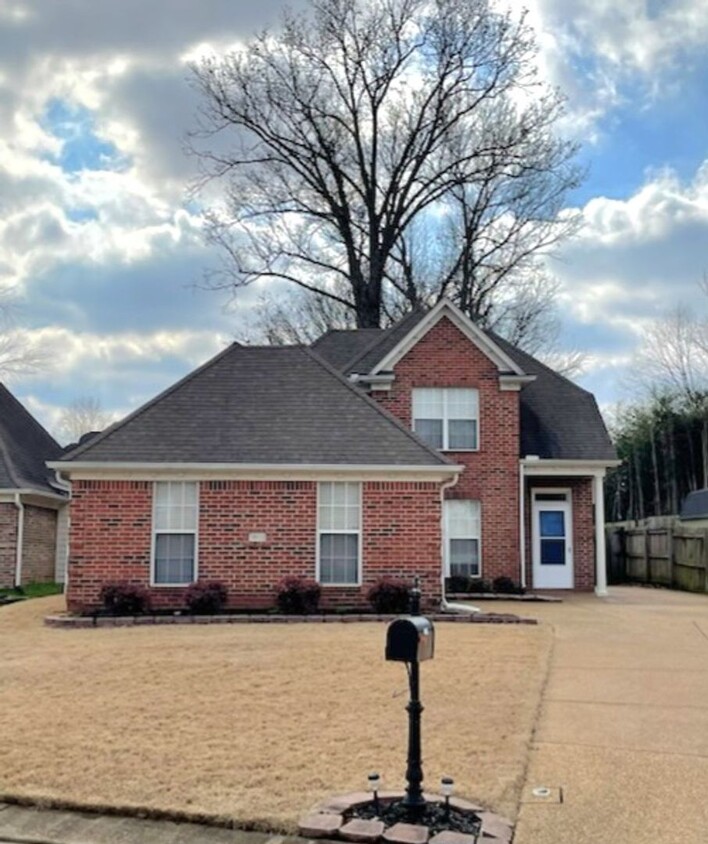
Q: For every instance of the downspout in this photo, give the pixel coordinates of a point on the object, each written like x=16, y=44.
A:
x=522, y=524
x=65, y=485
x=445, y=606
x=20, y=538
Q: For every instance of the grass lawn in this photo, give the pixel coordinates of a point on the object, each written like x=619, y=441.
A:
x=256, y=722
x=33, y=590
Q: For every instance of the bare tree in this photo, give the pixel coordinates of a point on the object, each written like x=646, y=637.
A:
x=83, y=415
x=17, y=354
x=355, y=123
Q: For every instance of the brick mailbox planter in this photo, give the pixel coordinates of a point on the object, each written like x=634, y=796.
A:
x=333, y=819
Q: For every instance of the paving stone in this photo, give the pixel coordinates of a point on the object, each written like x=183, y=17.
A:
x=362, y=830
x=320, y=826
x=450, y=837
x=407, y=833
x=496, y=827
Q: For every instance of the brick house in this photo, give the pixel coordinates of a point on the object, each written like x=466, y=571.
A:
x=430, y=448
x=33, y=507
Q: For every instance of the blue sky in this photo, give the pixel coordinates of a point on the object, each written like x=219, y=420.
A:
x=105, y=253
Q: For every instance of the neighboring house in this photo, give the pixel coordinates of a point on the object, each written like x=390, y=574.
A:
x=274, y=461
x=694, y=509
x=33, y=508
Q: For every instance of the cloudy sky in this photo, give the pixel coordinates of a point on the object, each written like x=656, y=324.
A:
x=104, y=249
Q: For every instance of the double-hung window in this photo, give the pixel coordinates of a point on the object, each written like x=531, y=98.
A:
x=462, y=538
x=447, y=418
x=174, y=523
x=339, y=533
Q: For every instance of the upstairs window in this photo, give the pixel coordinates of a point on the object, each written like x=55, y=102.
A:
x=447, y=418
x=174, y=523
x=339, y=533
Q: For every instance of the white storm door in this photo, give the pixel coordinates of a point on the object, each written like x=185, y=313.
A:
x=552, y=545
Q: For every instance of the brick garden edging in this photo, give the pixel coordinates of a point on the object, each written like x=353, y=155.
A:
x=326, y=820
x=71, y=621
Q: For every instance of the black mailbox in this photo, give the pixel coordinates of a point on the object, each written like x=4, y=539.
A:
x=410, y=639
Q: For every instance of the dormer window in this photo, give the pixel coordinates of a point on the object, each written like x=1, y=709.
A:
x=447, y=418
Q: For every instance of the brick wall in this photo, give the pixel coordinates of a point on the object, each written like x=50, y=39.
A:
x=8, y=544
x=583, y=528
x=445, y=357
x=110, y=538
x=39, y=544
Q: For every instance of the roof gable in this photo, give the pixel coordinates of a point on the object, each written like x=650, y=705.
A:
x=445, y=309
x=24, y=447
x=272, y=405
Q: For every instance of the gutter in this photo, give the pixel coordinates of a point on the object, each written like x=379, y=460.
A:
x=522, y=523
x=445, y=605
x=20, y=538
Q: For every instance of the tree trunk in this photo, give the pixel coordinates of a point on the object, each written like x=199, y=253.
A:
x=655, y=473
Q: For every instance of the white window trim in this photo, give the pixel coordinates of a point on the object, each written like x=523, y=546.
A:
x=553, y=490
x=480, y=556
x=359, y=532
x=153, y=538
x=446, y=418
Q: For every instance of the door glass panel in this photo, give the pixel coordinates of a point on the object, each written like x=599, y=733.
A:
x=552, y=523
x=553, y=552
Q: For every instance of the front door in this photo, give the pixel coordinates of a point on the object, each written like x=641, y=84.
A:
x=552, y=541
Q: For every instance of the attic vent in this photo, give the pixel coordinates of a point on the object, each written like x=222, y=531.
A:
x=216, y=485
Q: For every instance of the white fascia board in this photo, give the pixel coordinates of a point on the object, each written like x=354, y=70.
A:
x=85, y=470
x=446, y=308
x=536, y=467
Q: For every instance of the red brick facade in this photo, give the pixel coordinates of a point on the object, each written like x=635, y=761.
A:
x=446, y=358
x=8, y=544
x=400, y=529
x=38, y=544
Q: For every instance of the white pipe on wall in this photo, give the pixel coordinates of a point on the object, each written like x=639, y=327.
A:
x=20, y=538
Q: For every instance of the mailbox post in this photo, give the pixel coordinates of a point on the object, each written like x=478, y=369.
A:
x=410, y=640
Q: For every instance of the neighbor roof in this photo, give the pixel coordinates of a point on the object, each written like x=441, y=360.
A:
x=695, y=505
x=559, y=420
x=24, y=447
x=265, y=405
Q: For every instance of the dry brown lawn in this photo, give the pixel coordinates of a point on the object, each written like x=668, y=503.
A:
x=256, y=723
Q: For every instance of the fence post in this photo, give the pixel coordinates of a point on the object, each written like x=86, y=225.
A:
x=670, y=552
x=704, y=557
x=647, y=558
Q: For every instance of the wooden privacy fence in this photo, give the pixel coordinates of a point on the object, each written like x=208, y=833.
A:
x=666, y=556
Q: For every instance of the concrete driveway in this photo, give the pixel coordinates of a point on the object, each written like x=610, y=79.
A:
x=623, y=729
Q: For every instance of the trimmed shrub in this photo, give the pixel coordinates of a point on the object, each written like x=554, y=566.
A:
x=389, y=596
x=206, y=597
x=506, y=586
x=457, y=583
x=123, y=598
x=298, y=596
x=480, y=586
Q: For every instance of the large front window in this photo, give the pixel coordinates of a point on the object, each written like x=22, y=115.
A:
x=339, y=533
x=174, y=524
x=462, y=538
x=447, y=418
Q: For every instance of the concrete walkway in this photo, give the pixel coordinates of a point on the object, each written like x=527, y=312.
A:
x=20, y=825
x=623, y=730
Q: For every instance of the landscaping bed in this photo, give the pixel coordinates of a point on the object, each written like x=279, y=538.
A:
x=253, y=724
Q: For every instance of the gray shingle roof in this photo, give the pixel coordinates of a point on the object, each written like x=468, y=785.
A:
x=559, y=420
x=695, y=505
x=24, y=447
x=274, y=405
